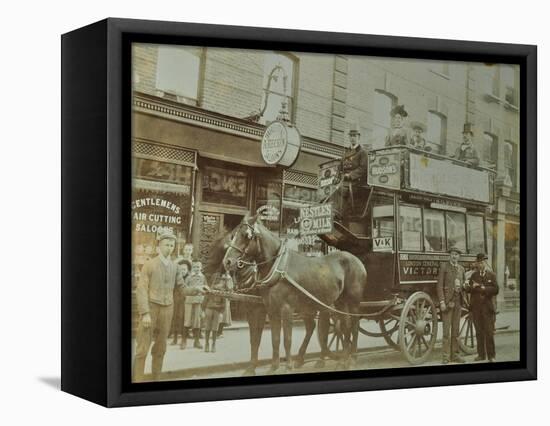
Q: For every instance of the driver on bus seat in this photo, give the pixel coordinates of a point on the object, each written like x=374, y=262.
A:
x=354, y=165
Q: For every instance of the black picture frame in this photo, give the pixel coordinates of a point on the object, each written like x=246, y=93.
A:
x=96, y=108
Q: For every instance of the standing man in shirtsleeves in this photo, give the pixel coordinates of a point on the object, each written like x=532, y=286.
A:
x=155, y=298
x=449, y=292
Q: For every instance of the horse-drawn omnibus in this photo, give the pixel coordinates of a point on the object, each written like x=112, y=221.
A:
x=401, y=223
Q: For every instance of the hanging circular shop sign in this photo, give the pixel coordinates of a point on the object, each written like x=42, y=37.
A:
x=280, y=144
x=269, y=213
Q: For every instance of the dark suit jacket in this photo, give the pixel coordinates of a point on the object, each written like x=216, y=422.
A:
x=483, y=297
x=468, y=154
x=355, y=162
x=446, y=281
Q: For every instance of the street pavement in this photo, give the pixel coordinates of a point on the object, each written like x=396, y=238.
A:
x=233, y=350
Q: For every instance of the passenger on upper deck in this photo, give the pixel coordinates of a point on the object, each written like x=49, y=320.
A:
x=398, y=133
x=417, y=139
x=466, y=152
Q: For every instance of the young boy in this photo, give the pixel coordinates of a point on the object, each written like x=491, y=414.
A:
x=193, y=304
x=213, y=306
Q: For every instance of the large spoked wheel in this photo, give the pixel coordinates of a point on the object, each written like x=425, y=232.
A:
x=390, y=329
x=418, y=328
x=335, y=336
x=467, y=331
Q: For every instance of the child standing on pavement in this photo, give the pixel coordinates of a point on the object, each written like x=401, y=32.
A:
x=193, y=303
x=213, y=306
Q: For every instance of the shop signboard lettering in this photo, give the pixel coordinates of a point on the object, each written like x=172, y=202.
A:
x=384, y=169
x=155, y=214
x=419, y=270
x=382, y=244
x=317, y=219
x=268, y=213
x=280, y=144
x=222, y=186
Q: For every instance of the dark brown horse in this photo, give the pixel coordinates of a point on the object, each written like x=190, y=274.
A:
x=336, y=280
x=255, y=313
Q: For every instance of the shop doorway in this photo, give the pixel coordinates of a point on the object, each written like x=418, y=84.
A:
x=213, y=225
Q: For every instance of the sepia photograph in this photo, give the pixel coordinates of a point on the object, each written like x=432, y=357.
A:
x=298, y=212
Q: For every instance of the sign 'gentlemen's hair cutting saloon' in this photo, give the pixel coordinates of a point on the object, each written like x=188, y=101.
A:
x=281, y=144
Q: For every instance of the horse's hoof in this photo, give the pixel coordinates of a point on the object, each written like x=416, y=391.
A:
x=273, y=368
x=249, y=372
x=299, y=362
x=320, y=363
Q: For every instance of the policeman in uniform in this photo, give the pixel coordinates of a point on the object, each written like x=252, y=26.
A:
x=466, y=152
x=354, y=165
x=155, y=297
x=483, y=288
x=449, y=292
x=398, y=134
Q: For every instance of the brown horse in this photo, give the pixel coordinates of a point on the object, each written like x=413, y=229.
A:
x=255, y=313
x=336, y=280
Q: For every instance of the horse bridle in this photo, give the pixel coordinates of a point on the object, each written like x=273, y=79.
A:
x=241, y=263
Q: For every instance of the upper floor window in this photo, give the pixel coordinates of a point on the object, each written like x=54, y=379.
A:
x=510, y=163
x=437, y=132
x=383, y=104
x=178, y=71
x=278, y=86
x=508, y=81
x=488, y=149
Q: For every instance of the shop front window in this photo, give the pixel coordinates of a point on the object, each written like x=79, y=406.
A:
x=161, y=201
x=456, y=231
x=434, y=230
x=224, y=186
x=476, y=234
x=410, y=228
x=268, y=199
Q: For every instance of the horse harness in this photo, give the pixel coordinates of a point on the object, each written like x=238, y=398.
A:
x=277, y=271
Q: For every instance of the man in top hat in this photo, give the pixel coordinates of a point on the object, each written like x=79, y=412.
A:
x=449, y=292
x=354, y=164
x=483, y=288
x=466, y=152
x=398, y=133
x=155, y=298
x=417, y=139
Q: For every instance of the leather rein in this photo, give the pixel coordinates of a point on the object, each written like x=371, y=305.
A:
x=269, y=280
